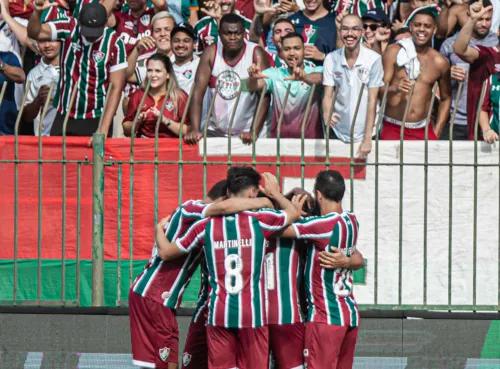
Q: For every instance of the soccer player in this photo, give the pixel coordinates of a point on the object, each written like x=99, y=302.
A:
x=423, y=70
x=158, y=290
x=226, y=65
x=235, y=246
x=301, y=77
x=333, y=316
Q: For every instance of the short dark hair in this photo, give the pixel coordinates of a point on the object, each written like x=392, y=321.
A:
x=292, y=35
x=218, y=190
x=427, y=11
x=331, y=184
x=242, y=178
x=231, y=18
x=284, y=20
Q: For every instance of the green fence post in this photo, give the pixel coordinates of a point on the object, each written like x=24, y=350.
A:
x=98, y=221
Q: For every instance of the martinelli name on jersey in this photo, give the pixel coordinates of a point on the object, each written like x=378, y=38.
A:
x=235, y=248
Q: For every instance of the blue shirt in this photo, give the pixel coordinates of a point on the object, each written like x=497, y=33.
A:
x=8, y=107
x=326, y=35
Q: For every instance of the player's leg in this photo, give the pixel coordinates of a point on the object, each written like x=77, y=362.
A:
x=253, y=348
x=287, y=345
x=141, y=332
x=322, y=345
x=346, y=355
x=222, y=348
x=167, y=336
x=195, y=354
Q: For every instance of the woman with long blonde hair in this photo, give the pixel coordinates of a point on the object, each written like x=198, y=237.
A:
x=161, y=73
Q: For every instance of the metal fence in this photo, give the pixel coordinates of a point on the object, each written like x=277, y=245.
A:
x=99, y=162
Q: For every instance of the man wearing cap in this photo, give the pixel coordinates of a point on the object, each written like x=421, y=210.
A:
x=377, y=32
x=92, y=57
x=414, y=61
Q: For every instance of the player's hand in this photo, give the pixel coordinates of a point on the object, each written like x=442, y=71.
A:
x=261, y=7
x=458, y=73
x=146, y=43
x=365, y=148
x=405, y=85
x=41, y=5
x=193, y=137
x=490, y=136
x=163, y=224
x=247, y=138
x=213, y=10
x=298, y=201
x=298, y=74
x=254, y=71
x=271, y=186
x=4, y=7
x=333, y=260
x=312, y=52
x=477, y=10
x=333, y=121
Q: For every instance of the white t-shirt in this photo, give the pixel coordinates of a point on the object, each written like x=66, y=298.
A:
x=367, y=68
x=39, y=76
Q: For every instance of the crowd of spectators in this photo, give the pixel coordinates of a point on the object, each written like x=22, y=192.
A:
x=321, y=65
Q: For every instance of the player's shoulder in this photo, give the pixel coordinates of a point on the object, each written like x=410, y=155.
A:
x=458, y=9
x=392, y=50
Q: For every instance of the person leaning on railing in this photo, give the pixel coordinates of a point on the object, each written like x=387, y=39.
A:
x=161, y=73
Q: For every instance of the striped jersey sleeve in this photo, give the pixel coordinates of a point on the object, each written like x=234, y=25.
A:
x=194, y=237
x=119, y=56
x=62, y=28
x=270, y=220
x=312, y=228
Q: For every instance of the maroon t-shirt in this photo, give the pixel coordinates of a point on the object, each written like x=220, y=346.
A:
x=147, y=128
x=132, y=29
x=487, y=64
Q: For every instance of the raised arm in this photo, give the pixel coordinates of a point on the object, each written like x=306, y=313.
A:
x=37, y=30
x=17, y=28
x=461, y=46
x=255, y=80
x=201, y=80
x=445, y=95
x=272, y=190
x=237, y=205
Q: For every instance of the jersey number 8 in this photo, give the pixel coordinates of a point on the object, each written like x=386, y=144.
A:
x=233, y=280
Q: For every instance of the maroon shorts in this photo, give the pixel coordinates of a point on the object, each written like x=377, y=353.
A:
x=244, y=348
x=329, y=346
x=195, y=354
x=154, y=333
x=392, y=131
x=286, y=342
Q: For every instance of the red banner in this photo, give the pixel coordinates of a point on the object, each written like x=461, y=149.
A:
x=142, y=212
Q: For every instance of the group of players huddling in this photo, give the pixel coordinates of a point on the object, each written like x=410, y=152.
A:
x=261, y=252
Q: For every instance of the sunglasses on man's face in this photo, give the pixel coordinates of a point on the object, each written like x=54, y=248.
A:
x=372, y=27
